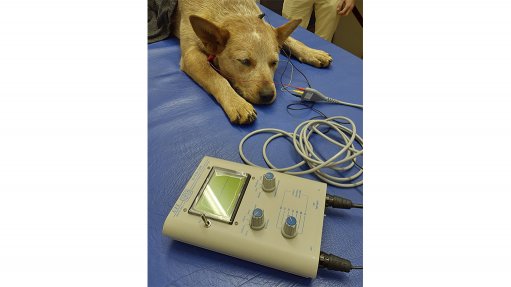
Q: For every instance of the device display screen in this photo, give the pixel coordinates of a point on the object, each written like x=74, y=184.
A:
x=221, y=194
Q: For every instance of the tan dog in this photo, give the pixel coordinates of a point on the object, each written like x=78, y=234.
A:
x=243, y=52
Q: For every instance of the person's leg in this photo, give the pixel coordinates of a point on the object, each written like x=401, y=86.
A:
x=298, y=9
x=326, y=18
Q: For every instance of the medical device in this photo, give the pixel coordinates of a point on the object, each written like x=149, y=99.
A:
x=266, y=217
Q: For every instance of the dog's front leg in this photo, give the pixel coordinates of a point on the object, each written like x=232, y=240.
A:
x=194, y=63
x=317, y=58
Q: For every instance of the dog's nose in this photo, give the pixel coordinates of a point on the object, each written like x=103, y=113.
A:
x=266, y=95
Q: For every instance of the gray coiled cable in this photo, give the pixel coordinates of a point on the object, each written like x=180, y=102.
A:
x=343, y=160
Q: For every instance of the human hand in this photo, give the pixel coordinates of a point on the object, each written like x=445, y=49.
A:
x=345, y=6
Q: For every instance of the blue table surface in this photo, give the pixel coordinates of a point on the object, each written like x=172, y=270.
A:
x=185, y=124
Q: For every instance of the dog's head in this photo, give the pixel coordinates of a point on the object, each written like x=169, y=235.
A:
x=246, y=51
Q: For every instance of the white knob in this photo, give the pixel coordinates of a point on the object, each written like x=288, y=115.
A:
x=257, y=221
x=289, y=228
x=268, y=182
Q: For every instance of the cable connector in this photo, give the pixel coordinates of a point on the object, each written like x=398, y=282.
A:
x=340, y=202
x=332, y=262
x=313, y=95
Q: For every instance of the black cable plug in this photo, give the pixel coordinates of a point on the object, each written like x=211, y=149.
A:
x=340, y=202
x=332, y=262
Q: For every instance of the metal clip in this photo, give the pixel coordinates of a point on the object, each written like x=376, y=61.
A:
x=207, y=223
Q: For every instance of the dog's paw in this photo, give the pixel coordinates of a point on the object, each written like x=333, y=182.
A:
x=316, y=58
x=240, y=111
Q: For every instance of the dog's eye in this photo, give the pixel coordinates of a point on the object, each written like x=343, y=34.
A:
x=274, y=63
x=245, y=62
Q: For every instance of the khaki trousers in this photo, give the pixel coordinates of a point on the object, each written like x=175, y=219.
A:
x=325, y=12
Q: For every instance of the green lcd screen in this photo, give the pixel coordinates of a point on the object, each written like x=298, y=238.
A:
x=221, y=194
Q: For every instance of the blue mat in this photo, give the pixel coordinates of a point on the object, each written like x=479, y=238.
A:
x=186, y=124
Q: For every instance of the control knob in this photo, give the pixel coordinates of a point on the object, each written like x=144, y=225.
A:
x=289, y=228
x=257, y=221
x=268, y=182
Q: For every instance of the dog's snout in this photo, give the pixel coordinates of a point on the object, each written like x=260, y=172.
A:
x=266, y=95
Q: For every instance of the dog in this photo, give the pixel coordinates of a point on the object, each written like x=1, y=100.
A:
x=231, y=52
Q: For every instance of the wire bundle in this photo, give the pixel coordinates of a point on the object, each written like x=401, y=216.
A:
x=344, y=160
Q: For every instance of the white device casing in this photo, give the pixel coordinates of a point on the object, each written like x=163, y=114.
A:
x=302, y=198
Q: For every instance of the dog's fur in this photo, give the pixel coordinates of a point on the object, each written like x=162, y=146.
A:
x=245, y=50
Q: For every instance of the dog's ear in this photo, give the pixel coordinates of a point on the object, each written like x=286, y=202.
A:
x=213, y=37
x=285, y=30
